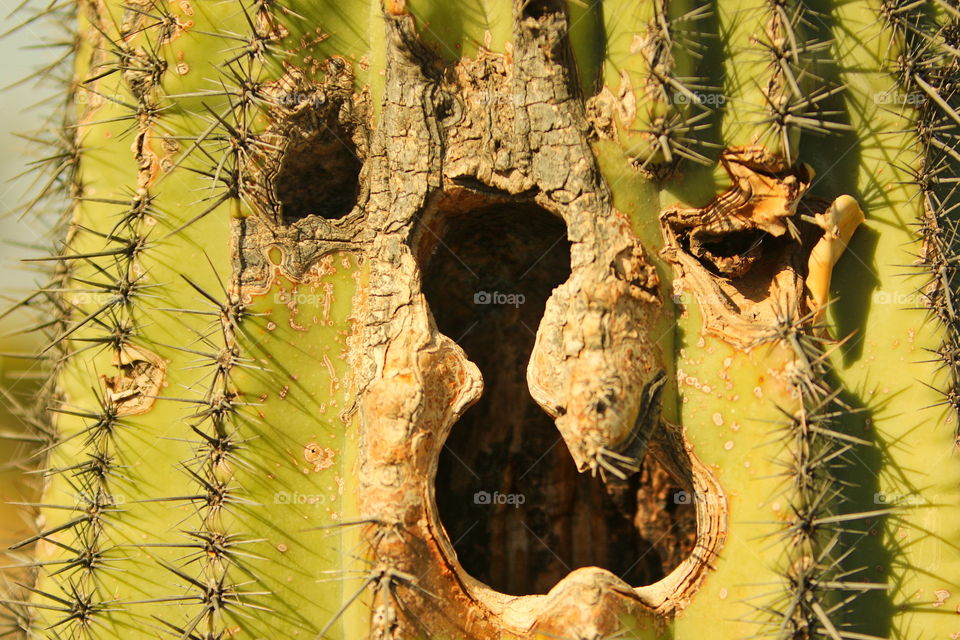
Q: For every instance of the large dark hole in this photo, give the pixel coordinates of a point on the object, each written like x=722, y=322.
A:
x=539, y=8
x=735, y=243
x=319, y=175
x=519, y=514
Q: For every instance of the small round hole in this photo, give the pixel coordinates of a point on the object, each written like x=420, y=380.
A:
x=319, y=176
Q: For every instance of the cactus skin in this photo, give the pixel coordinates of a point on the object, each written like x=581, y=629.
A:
x=249, y=393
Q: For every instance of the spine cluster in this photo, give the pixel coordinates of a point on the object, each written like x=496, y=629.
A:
x=820, y=586
x=925, y=56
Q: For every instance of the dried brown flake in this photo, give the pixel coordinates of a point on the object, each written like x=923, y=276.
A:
x=135, y=388
x=319, y=456
x=741, y=254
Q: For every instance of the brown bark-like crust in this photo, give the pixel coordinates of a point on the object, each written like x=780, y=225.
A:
x=456, y=139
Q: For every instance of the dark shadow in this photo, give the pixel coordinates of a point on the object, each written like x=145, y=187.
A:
x=836, y=159
x=697, y=46
x=853, y=285
x=870, y=612
x=540, y=8
x=319, y=175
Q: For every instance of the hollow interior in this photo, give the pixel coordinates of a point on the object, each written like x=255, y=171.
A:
x=518, y=513
x=319, y=175
x=735, y=243
x=539, y=8
x=748, y=259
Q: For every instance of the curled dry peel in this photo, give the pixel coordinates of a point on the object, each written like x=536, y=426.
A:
x=140, y=376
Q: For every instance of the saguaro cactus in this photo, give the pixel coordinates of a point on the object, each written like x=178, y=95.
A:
x=531, y=319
